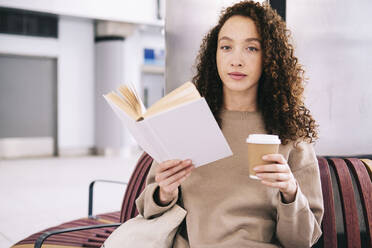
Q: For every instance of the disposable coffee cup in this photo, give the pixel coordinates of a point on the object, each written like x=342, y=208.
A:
x=258, y=146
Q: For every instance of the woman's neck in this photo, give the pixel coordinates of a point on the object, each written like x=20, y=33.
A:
x=237, y=101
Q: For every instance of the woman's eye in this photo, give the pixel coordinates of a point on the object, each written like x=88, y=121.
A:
x=252, y=49
x=225, y=47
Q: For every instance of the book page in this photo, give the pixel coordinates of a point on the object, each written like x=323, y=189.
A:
x=185, y=93
x=131, y=97
x=115, y=99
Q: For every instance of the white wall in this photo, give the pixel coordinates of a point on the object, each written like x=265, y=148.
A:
x=140, y=11
x=334, y=43
x=28, y=45
x=75, y=55
x=76, y=83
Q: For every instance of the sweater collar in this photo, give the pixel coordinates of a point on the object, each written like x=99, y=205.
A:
x=238, y=115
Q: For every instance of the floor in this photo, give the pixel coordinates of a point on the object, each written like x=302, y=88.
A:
x=39, y=193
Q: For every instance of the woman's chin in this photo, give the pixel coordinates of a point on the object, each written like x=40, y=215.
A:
x=238, y=87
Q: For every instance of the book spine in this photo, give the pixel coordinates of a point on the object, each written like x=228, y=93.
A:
x=146, y=141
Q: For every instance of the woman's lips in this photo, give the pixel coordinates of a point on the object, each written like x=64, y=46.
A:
x=236, y=75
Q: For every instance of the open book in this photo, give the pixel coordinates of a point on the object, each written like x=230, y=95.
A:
x=178, y=126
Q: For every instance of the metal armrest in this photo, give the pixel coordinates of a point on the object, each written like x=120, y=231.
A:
x=91, y=188
x=39, y=242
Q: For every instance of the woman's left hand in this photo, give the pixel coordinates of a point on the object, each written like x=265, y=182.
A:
x=278, y=175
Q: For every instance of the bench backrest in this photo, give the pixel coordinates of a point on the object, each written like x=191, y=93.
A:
x=136, y=184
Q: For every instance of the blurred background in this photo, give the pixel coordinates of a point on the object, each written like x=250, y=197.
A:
x=57, y=59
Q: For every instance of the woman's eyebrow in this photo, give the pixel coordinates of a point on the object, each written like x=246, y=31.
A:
x=224, y=38
x=253, y=39
x=246, y=40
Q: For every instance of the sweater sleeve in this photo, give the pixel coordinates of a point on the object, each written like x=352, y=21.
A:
x=299, y=222
x=146, y=204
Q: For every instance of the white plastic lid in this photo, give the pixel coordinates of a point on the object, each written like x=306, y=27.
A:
x=263, y=139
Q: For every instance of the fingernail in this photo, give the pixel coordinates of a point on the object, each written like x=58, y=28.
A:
x=256, y=169
x=264, y=157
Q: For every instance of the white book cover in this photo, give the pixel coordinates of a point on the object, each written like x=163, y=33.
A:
x=187, y=131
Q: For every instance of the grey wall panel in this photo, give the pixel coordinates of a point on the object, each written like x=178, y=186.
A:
x=27, y=97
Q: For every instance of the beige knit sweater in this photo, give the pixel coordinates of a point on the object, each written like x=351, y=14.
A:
x=228, y=209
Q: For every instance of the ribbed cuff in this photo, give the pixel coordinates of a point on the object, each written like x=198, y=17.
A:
x=289, y=210
x=151, y=207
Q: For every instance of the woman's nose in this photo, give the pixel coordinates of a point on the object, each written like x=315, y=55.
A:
x=237, y=61
x=236, y=64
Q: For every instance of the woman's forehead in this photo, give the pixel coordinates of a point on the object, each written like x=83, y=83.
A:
x=239, y=28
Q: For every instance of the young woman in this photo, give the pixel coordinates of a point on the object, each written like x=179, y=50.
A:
x=247, y=72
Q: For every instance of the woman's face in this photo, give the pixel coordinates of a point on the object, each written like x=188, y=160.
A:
x=239, y=55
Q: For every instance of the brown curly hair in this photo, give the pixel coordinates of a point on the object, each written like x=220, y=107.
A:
x=281, y=85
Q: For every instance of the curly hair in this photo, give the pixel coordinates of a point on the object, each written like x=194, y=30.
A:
x=281, y=85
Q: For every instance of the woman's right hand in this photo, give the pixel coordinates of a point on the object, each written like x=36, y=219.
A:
x=169, y=175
